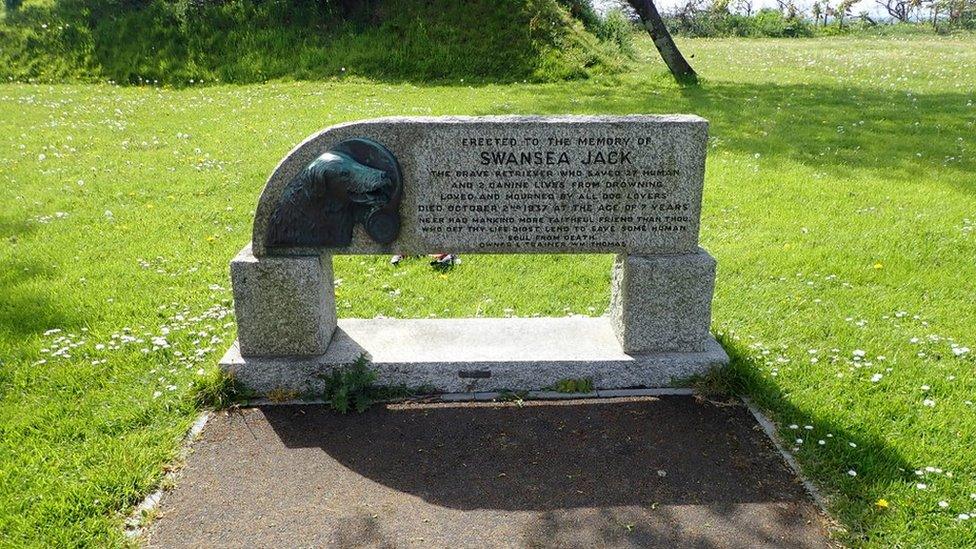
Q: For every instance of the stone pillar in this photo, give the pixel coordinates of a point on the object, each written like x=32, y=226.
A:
x=662, y=302
x=285, y=305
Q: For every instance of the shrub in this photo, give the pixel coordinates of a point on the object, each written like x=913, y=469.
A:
x=350, y=387
x=712, y=23
x=581, y=385
x=772, y=23
x=617, y=28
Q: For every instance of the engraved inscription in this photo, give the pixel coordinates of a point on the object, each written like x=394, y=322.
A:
x=551, y=191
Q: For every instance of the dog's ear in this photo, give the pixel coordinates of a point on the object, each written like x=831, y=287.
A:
x=287, y=226
x=308, y=212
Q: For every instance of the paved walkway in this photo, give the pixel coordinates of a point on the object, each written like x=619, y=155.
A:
x=637, y=472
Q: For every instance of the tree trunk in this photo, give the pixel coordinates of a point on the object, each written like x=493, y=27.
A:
x=652, y=21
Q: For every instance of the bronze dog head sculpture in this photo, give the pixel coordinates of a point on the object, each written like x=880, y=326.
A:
x=321, y=204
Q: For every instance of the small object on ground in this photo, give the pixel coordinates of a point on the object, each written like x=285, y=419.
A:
x=439, y=260
x=444, y=261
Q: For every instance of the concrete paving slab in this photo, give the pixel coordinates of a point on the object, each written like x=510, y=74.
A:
x=477, y=355
x=629, y=472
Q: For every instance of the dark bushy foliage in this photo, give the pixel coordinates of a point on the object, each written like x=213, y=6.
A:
x=765, y=23
x=617, y=28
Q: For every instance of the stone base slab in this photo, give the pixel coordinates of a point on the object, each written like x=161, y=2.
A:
x=477, y=354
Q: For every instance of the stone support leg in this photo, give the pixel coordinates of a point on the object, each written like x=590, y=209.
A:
x=662, y=302
x=285, y=305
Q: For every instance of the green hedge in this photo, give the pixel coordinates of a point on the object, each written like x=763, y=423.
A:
x=765, y=23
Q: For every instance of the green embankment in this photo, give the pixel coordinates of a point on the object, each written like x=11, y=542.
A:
x=241, y=41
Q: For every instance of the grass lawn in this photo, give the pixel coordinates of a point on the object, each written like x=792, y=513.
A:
x=840, y=203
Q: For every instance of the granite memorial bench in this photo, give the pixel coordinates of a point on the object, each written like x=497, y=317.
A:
x=629, y=185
